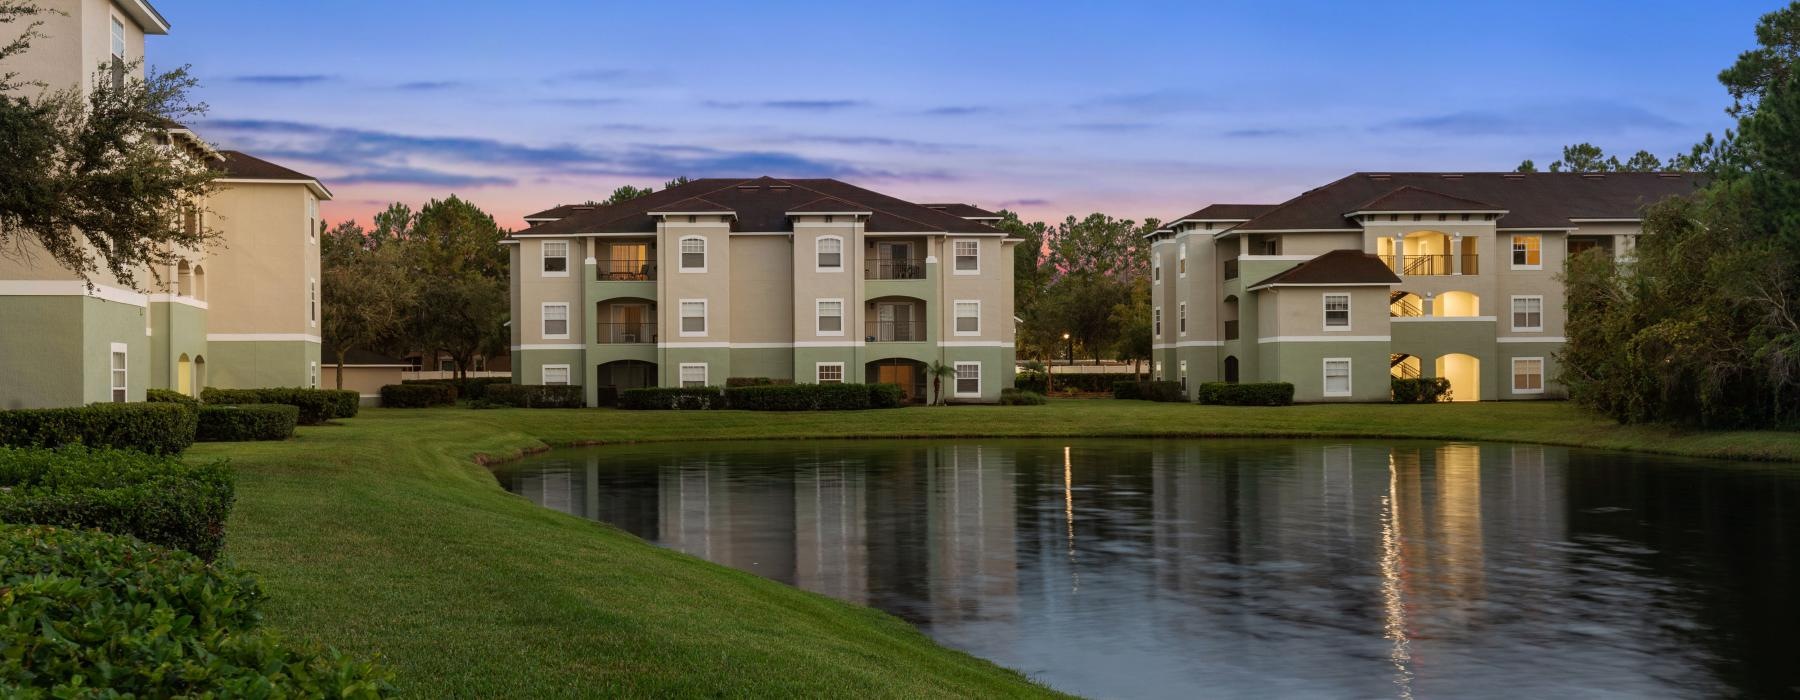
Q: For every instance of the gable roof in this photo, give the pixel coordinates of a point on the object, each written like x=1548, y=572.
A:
x=761, y=205
x=1410, y=198
x=1530, y=200
x=967, y=211
x=237, y=165
x=560, y=211
x=1338, y=267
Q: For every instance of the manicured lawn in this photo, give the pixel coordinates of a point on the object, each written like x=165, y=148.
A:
x=382, y=535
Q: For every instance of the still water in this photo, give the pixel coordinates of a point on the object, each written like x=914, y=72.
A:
x=1188, y=569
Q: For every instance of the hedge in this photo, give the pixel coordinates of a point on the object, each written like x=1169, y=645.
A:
x=417, y=395
x=672, y=398
x=537, y=395
x=734, y=382
x=344, y=402
x=1149, y=391
x=316, y=405
x=473, y=388
x=156, y=428
x=1092, y=382
x=90, y=614
x=1263, y=394
x=1029, y=380
x=250, y=422
x=1420, y=389
x=167, y=396
x=157, y=499
x=813, y=397
x=1013, y=396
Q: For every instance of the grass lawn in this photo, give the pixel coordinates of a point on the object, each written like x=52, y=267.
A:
x=383, y=535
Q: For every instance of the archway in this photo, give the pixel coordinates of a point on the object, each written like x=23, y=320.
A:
x=199, y=374
x=1464, y=373
x=1427, y=253
x=627, y=374
x=184, y=375
x=908, y=374
x=199, y=290
x=1231, y=369
x=1457, y=304
x=1403, y=366
x=896, y=319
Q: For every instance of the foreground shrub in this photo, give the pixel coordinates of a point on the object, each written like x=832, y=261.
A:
x=1149, y=391
x=157, y=499
x=472, y=388
x=156, y=428
x=1013, y=396
x=886, y=395
x=1421, y=389
x=316, y=405
x=1031, y=380
x=672, y=399
x=734, y=382
x=250, y=422
x=344, y=402
x=536, y=395
x=95, y=615
x=1263, y=394
x=167, y=396
x=417, y=395
x=813, y=397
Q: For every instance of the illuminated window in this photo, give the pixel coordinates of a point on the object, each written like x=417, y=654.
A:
x=1528, y=252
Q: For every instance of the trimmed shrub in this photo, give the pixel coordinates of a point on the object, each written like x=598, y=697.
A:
x=417, y=395
x=606, y=395
x=1420, y=389
x=316, y=405
x=885, y=395
x=344, y=402
x=1030, y=380
x=250, y=422
x=167, y=396
x=1263, y=394
x=95, y=615
x=157, y=499
x=466, y=388
x=1015, y=396
x=812, y=397
x=734, y=382
x=1095, y=382
x=156, y=428
x=672, y=399
x=536, y=395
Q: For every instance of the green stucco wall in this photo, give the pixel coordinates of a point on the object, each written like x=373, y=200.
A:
x=1303, y=365
x=256, y=364
x=178, y=329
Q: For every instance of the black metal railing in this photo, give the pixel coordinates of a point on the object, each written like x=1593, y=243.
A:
x=625, y=270
x=1427, y=265
x=893, y=332
x=1405, y=308
x=625, y=333
x=1231, y=330
x=1231, y=269
x=882, y=268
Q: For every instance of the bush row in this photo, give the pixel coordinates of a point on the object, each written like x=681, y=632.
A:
x=473, y=388
x=156, y=428
x=417, y=395
x=90, y=614
x=268, y=421
x=155, y=498
x=1255, y=394
x=672, y=398
x=316, y=405
x=1149, y=391
x=170, y=396
x=536, y=395
x=1421, y=389
x=1088, y=382
x=734, y=382
x=1013, y=396
x=813, y=397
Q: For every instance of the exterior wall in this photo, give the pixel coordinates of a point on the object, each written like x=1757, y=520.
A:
x=265, y=331
x=256, y=364
x=365, y=380
x=528, y=365
x=78, y=41
x=178, y=329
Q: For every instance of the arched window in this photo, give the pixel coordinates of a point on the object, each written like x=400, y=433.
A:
x=1231, y=370
x=830, y=253
x=184, y=280
x=199, y=291
x=693, y=254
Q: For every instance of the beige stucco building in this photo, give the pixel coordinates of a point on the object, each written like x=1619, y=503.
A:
x=809, y=280
x=244, y=312
x=1380, y=275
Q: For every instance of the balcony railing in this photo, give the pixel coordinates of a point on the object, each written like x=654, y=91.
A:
x=1434, y=264
x=894, y=332
x=1231, y=330
x=626, y=270
x=626, y=333
x=1231, y=269
x=880, y=268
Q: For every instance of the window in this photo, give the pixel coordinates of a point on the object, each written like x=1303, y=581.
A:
x=1528, y=252
x=446, y=365
x=556, y=375
x=968, y=256
x=118, y=38
x=968, y=379
x=1156, y=321
x=312, y=374
x=1181, y=318
x=1528, y=375
x=831, y=316
x=831, y=253
x=119, y=365
x=556, y=258
x=556, y=321
x=830, y=372
x=693, y=375
x=312, y=219
x=1181, y=261
x=1182, y=368
x=1337, y=312
x=968, y=317
x=312, y=302
x=1337, y=376
x=1156, y=270
x=693, y=317
x=693, y=254
x=1528, y=313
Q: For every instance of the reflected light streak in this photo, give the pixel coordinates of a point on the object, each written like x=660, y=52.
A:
x=1392, y=604
x=1069, y=516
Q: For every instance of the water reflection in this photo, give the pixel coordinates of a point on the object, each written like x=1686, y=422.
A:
x=1182, y=568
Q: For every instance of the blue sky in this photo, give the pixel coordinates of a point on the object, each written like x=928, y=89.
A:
x=1049, y=108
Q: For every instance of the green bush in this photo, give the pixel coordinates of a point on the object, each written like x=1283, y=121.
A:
x=471, y=388
x=95, y=615
x=1030, y=380
x=1420, y=389
x=1263, y=394
x=536, y=395
x=885, y=395
x=1149, y=391
x=167, y=396
x=1014, y=396
x=417, y=395
x=250, y=422
x=344, y=402
x=157, y=499
x=812, y=397
x=606, y=395
x=735, y=382
x=1083, y=382
x=316, y=405
x=672, y=399
x=156, y=428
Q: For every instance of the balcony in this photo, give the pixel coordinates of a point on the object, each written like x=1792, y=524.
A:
x=625, y=333
x=625, y=270
x=1231, y=269
x=891, y=268
x=1435, y=264
x=894, y=332
x=1231, y=330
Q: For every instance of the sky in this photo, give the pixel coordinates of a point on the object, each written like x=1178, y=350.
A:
x=1135, y=109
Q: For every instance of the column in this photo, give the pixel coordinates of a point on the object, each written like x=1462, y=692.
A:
x=1399, y=253
x=1426, y=302
x=590, y=314
x=1456, y=248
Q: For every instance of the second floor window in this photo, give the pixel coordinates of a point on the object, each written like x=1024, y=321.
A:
x=693, y=254
x=1528, y=313
x=1337, y=311
x=1155, y=270
x=118, y=39
x=693, y=317
x=556, y=258
x=968, y=318
x=312, y=302
x=831, y=317
x=1527, y=252
x=968, y=257
x=1156, y=321
x=556, y=320
x=1181, y=318
x=831, y=253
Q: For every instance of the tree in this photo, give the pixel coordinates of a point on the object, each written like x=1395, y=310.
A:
x=939, y=371
x=1133, y=318
x=14, y=11
x=366, y=294
x=1526, y=166
x=626, y=193
x=1094, y=261
x=450, y=253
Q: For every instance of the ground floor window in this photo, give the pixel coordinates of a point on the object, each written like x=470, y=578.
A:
x=1528, y=375
x=830, y=372
x=968, y=379
x=556, y=375
x=1182, y=368
x=693, y=375
x=119, y=373
x=1337, y=376
x=312, y=374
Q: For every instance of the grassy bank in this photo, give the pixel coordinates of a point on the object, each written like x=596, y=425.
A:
x=382, y=535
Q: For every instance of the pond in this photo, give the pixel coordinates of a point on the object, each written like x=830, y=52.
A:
x=1179, y=569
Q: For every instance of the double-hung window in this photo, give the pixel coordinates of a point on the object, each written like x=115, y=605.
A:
x=1181, y=318
x=119, y=373
x=968, y=379
x=1156, y=321
x=556, y=259
x=118, y=39
x=693, y=317
x=693, y=375
x=556, y=321
x=1527, y=252
x=693, y=254
x=830, y=372
x=556, y=375
x=1337, y=312
x=968, y=317
x=1182, y=368
x=1181, y=261
x=968, y=256
x=831, y=254
x=1528, y=313
x=1528, y=375
x=312, y=374
x=831, y=316
x=312, y=302
x=1337, y=376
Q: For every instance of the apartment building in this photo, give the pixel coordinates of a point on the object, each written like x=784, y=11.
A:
x=809, y=280
x=1380, y=275
x=242, y=313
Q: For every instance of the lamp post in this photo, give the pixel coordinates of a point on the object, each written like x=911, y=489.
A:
x=1071, y=343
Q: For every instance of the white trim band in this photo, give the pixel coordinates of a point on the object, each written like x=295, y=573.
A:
x=1546, y=339
x=71, y=288
x=1326, y=339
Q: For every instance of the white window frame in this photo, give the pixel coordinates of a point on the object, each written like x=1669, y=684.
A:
x=1156, y=321
x=544, y=320
x=1514, y=308
x=819, y=370
x=681, y=373
x=1181, y=261
x=1325, y=377
x=312, y=374
x=1325, y=312
x=1181, y=369
x=955, y=256
x=1542, y=368
x=956, y=381
x=544, y=257
x=1156, y=269
x=312, y=302
x=1513, y=245
x=819, y=316
x=705, y=320
x=119, y=40
x=1181, y=319
x=956, y=317
x=544, y=375
x=119, y=378
x=681, y=254
x=819, y=250
x=312, y=219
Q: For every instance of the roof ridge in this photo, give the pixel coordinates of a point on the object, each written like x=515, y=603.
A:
x=1292, y=201
x=872, y=207
x=1415, y=188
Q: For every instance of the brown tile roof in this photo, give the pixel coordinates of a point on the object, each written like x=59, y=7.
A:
x=1346, y=267
x=827, y=205
x=1410, y=198
x=1531, y=200
x=695, y=204
x=240, y=165
x=762, y=204
x=967, y=211
x=561, y=211
x=1227, y=212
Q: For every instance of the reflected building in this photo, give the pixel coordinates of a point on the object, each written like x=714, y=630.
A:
x=971, y=524
x=831, y=541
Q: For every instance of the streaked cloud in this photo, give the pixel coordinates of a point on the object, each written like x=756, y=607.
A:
x=956, y=111
x=430, y=85
x=282, y=80
x=1149, y=102
x=1595, y=116
x=421, y=176
x=790, y=105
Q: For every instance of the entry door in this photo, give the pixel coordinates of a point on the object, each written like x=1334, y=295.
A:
x=895, y=259
x=904, y=375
